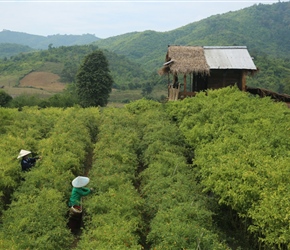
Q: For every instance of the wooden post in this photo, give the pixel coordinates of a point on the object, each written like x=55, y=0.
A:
x=191, y=88
x=168, y=84
x=244, y=80
x=184, y=85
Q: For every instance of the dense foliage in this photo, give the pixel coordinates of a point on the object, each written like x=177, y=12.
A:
x=241, y=153
x=273, y=74
x=209, y=172
x=9, y=49
x=36, y=218
x=4, y=98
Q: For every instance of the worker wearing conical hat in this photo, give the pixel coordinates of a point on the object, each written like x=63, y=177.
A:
x=79, y=190
x=26, y=162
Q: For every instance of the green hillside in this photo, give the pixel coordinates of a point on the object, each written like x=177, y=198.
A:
x=9, y=49
x=262, y=28
x=64, y=61
x=136, y=57
x=43, y=42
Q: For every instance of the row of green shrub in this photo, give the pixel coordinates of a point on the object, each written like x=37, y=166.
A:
x=36, y=217
x=113, y=213
x=241, y=147
x=162, y=173
x=178, y=213
x=146, y=193
x=20, y=130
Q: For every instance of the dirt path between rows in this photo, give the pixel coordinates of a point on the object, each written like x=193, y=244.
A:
x=88, y=165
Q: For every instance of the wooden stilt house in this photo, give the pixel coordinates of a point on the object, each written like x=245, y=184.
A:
x=207, y=67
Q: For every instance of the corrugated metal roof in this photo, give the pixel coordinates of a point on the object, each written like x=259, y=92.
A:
x=229, y=57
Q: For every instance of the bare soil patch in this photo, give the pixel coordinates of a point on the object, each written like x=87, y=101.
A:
x=43, y=80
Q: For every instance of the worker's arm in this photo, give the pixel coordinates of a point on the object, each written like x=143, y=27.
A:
x=83, y=191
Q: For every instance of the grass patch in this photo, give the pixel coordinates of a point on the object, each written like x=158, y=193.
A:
x=121, y=96
x=27, y=91
x=8, y=81
x=159, y=92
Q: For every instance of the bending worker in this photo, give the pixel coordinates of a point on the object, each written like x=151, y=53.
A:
x=78, y=191
x=26, y=162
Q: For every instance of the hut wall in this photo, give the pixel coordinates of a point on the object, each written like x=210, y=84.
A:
x=222, y=78
x=199, y=82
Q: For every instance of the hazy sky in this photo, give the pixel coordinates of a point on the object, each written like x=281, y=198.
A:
x=108, y=18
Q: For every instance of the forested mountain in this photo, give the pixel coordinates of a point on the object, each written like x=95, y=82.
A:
x=43, y=42
x=136, y=57
x=263, y=28
x=10, y=49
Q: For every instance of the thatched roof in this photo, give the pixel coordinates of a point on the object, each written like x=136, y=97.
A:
x=185, y=60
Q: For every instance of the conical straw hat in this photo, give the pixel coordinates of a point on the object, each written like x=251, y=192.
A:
x=80, y=181
x=23, y=153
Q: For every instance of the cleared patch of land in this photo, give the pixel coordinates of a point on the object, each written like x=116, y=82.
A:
x=42, y=80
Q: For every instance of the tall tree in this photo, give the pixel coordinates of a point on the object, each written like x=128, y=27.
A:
x=94, y=82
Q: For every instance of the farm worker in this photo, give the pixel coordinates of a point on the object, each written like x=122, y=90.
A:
x=78, y=191
x=26, y=162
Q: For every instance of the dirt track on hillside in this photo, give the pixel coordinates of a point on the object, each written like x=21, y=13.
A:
x=42, y=80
